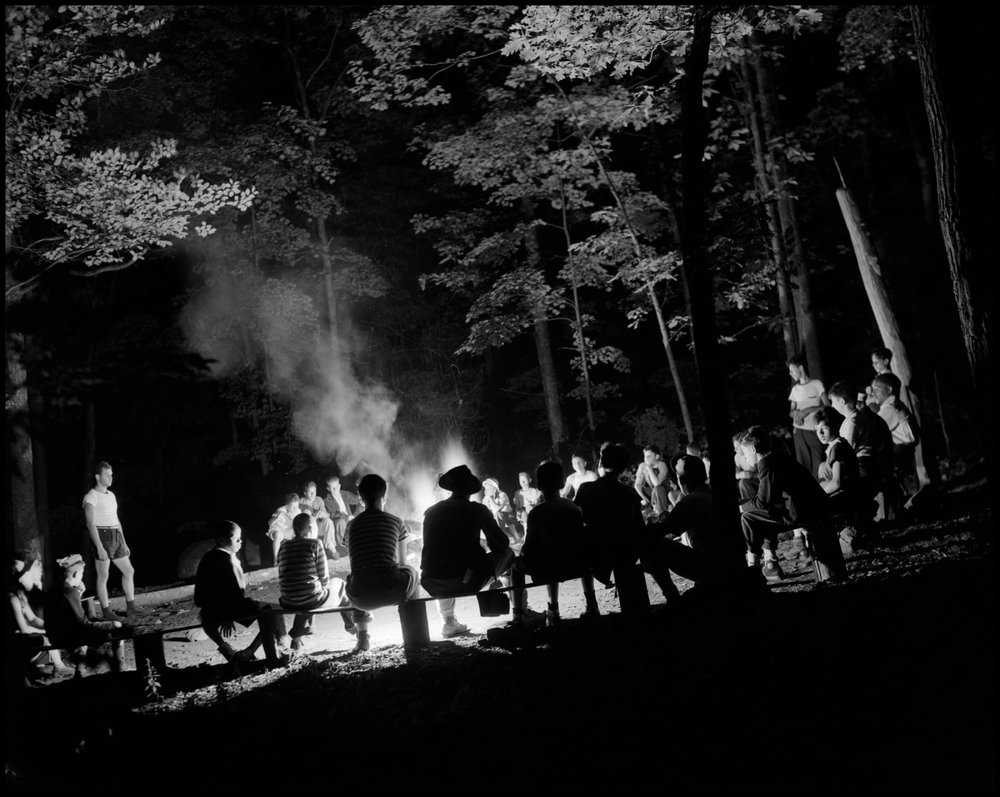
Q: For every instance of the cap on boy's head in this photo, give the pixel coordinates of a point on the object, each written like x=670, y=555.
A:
x=690, y=470
x=460, y=480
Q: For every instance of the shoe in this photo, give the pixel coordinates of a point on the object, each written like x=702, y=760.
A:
x=109, y=613
x=131, y=610
x=528, y=617
x=453, y=628
x=771, y=571
x=364, y=641
x=297, y=643
x=246, y=655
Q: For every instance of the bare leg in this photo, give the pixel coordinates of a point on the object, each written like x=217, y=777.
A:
x=102, y=567
x=128, y=578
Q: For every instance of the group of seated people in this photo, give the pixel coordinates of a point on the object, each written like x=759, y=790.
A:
x=332, y=514
x=57, y=618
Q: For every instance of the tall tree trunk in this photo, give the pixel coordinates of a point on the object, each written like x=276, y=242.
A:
x=878, y=296
x=788, y=215
x=20, y=459
x=957, y=189
x=789, y=331
x=581, y=340
x=36, y=409
x=697, y=278
x=543, y=348
x=675, y=374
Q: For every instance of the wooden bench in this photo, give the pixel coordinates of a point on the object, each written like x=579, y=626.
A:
x=633, y=597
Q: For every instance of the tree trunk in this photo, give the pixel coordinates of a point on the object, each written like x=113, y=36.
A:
x=543, y=347
x=20, y=458
x=697, y=279
x=789, y=216
x=878, y=296
x=789, y=331
x=36, y=410
x=674, y=373
x=957, y=190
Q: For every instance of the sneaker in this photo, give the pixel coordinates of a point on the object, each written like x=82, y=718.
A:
x=771, y=571
x=364, y=641
x=109, y=613
x=245, y=655
x=297, y=643
x=131, y=610
x=453, y=628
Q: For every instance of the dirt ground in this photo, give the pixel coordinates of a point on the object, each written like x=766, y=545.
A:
x=884, y=682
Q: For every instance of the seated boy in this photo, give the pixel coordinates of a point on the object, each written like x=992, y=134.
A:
x=555, y=548
x=377, y=542
x=220, y=593
x=279, y=527
x=305, y=582
x=885, y=389
x=765, y=515
x=687, y=540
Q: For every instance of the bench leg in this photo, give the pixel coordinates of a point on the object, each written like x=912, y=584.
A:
x=149, y=651
x=413, y=621
x=632, y=594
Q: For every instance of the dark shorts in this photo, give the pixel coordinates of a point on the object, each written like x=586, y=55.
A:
x=113, y=541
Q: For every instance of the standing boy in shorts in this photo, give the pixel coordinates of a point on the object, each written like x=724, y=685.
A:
x=100, y=508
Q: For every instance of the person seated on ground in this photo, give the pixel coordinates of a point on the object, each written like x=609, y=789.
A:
x=882, y=364
x=69, y=627
x=688, y=541
x=305, y=583
x=870, y=438
x=555, y=548
x=612, y=515
x=313, y=505
x=25, y=579
x=746, y=475
x=903, y=429
x=807, y=513
x=453, y=562
x=220, y=594
x=525, y=499
x=377, y=542
x=341, y=506
x=840, y=479
x=838, y=474
x=652, y=482
x=496, y=500
x=700, y=450
x=806, y=397
x=279, y=527
x=581, y=474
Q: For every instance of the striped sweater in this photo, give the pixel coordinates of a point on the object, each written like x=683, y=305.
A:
x=372, y=541
x=302, y=571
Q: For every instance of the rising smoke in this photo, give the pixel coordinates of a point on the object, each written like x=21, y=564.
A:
x=340, y=416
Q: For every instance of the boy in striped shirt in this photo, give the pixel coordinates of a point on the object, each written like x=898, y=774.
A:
x=305, y=582
x=377, y=542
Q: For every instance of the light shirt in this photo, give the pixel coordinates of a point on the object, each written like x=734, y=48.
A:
x=105, y=508
x=898, y=421
x=806, y=397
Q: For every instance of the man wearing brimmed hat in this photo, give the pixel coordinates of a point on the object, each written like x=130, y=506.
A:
x=453, y=561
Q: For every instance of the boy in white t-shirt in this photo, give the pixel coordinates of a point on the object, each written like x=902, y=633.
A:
x=100, y=508
x=807, y=396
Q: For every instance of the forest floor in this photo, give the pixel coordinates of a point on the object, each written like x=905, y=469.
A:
x=886, y=681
